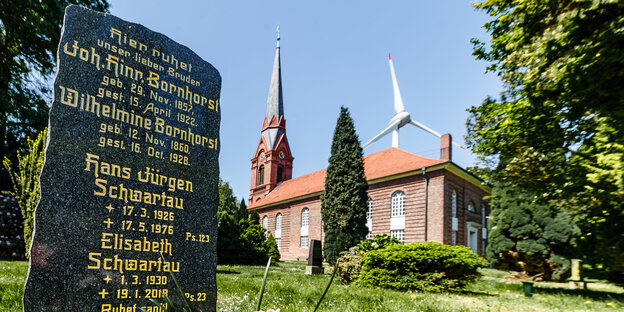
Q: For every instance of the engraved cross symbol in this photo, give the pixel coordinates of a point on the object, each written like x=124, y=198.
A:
x=110, y=208
x=107, y=278
x=103, y=293
x=108, y=223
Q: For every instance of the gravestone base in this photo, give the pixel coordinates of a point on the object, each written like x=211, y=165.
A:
x=313, y=270
x=578, y=285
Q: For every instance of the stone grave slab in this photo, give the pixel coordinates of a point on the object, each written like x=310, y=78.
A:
x=315, y=258
x=130, y=173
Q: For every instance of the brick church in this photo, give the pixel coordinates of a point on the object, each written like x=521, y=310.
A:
x=410, y=197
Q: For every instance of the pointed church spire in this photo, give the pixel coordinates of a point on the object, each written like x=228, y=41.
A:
x=272, y=162
x=275, y=104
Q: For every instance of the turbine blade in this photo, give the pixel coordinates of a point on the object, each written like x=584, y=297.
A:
x=389, y=128
x=458, y=145
x=421, y=126
x=398, y=101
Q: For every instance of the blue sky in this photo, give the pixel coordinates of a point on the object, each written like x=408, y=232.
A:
x=334, y=53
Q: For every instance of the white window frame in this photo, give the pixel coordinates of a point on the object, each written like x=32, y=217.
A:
x=369, y=216
x=454, y=220
x=305, y=217
x=483, y=230
x=398, y=234
x=472, y=239
x=304, y=242
x=471, y=207
x=305, y=225
x=278, y=225
x=398, y=204
x=265, y=222
x=454, y=204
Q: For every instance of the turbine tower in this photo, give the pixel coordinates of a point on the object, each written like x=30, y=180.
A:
x=401, y=117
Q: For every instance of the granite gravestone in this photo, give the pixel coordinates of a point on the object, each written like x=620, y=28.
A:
x=315, y=258
x=130, y=173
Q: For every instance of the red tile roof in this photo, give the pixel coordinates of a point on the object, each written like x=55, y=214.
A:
x=377, y=165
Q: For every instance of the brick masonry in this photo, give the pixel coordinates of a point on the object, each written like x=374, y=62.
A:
x=439, y=216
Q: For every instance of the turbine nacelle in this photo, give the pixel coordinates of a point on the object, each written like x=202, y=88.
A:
x=401, y=117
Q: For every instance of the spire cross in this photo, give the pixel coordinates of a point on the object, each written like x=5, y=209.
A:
x=278, y=36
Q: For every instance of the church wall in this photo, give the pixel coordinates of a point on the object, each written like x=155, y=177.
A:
x=436, y=221
x=381, y=194
x=291, y=226
x=441, y=184
x=466, y=192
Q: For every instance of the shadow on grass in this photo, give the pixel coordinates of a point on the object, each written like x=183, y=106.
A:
x=227, y=272
x=473, y=293
x=593, y=294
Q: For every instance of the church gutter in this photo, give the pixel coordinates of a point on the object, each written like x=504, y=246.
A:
x=448, y=165
x=424, y=173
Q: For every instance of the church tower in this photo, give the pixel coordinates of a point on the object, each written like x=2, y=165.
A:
x=272, y=161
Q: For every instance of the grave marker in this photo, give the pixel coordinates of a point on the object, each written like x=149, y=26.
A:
x=315, y=258
x=130, y=173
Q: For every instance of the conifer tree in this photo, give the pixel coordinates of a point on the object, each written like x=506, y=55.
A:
x=343, y=206
x=242, y=213
x=528, y=236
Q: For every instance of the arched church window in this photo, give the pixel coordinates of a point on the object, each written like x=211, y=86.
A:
x=398, y=204
x=280, y=172
x=305, y=222
x=261, y=174
x=471, y=207
x=278, y=222
x=265, y=222
x=454, y=217
x=305, y=217
x=454, y=204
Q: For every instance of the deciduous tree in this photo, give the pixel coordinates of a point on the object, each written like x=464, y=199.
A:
x=227, y=200
x=561, y=65
x=241, y=240
x=26, y=182
x=29, y=36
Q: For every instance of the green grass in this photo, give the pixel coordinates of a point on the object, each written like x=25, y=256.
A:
x=290, y=290
x=12, y=278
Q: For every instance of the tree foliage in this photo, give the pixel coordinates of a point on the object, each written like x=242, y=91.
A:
x=26, y=181
x=227, y=200
x=241, y=240
x=599, y=205
x=242, y=213
x=529, y=237
x=557, y=126
x=29, y=35
x=429, y=266
x=343, y=205
x=11, y=229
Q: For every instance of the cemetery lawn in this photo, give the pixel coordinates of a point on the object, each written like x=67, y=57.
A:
x=290, y=290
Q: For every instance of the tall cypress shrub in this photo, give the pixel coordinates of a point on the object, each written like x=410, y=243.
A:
x=343, y=206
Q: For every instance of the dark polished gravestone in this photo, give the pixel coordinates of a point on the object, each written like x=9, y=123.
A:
x=130, y=173
x=315, y=258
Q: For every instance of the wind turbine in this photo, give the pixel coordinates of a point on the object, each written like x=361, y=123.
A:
x=401, y=117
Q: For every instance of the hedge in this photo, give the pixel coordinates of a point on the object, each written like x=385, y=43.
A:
x=429, y=266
